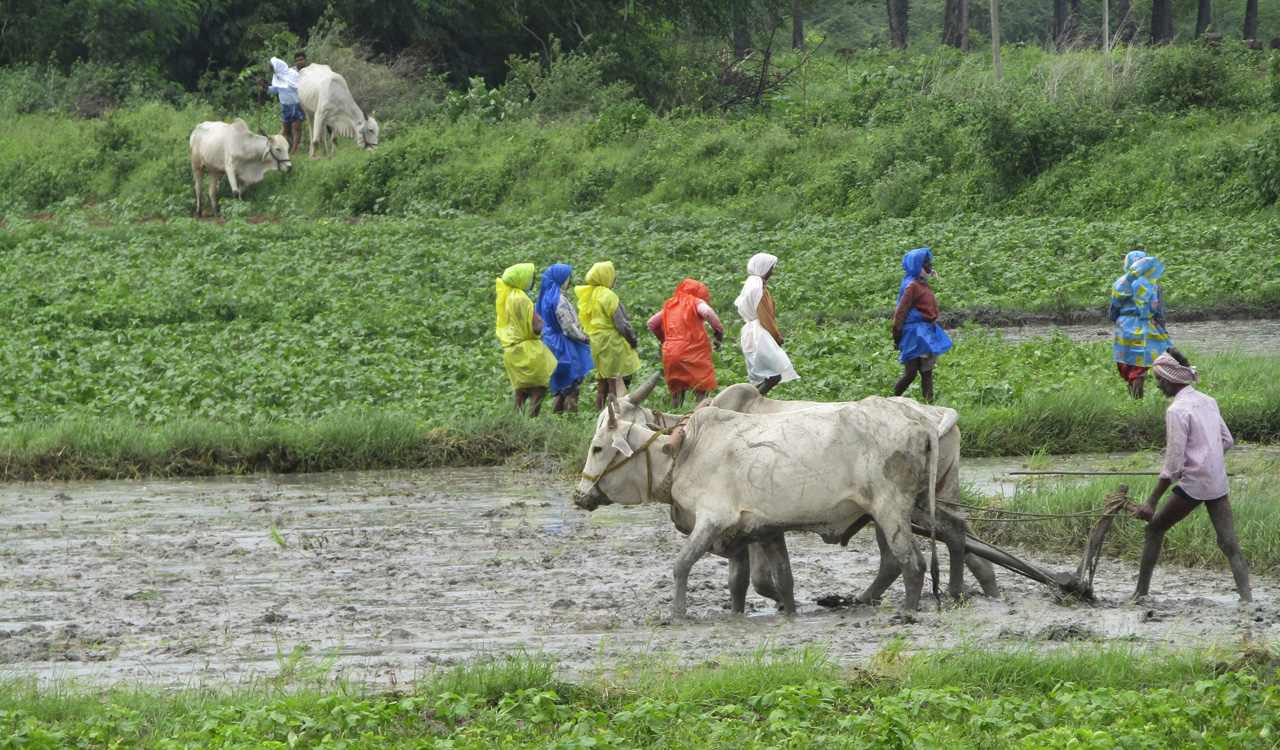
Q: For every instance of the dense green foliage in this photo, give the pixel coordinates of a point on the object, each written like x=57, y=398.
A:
x=383, y=331
x=958, y=699
x=1175, y=132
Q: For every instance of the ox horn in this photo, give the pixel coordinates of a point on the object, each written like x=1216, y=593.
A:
x=638, y=396
x=613, y=416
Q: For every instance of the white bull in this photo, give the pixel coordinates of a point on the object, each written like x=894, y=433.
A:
x=330, y=109
x=231, y=149
x=744, y=478
x=951, y=527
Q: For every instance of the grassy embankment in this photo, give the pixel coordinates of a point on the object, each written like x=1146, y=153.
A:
x=1082, y=698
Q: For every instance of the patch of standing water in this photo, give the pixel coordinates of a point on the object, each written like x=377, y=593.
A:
x=1251, y=337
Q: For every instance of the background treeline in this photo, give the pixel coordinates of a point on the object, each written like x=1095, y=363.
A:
x=173, y=46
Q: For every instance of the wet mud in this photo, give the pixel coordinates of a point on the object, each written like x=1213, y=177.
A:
x=385, y=577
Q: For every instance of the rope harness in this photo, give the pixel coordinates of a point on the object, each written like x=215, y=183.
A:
x=664, y=495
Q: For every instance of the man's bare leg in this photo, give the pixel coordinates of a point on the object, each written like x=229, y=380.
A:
x=1225, y=527
x=1175, y=509
x=536, y=395
x=768, y=384
x=909, y=370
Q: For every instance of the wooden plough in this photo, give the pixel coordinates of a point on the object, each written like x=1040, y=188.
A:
x=1078, y=585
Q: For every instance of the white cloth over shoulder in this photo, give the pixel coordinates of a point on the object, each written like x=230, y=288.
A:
x=282, y=76
x=765, y=358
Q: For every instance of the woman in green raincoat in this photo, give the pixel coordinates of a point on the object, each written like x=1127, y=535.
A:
x=528, y=361
x=604, y=319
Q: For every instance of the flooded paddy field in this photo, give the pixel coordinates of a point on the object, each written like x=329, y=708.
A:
x=383, y=577
x=1250, y=337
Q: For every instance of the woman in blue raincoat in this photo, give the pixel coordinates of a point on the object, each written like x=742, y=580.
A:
x=916, y=334
x=1137, y=308
x=563, y=335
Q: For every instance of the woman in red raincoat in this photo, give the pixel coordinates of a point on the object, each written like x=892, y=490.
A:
x=686, y=348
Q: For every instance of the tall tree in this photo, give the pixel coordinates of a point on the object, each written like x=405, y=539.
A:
x=1073, y=22
x=955, y=24
x=741, y=37
x=1162, y=21
x=797, y=25
x=1059, y=24
x=898, y=10
x=1251, y=19
x=1126, y=30
x=1202, y=17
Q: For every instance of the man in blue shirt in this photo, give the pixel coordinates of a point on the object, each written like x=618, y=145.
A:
x=284, y=84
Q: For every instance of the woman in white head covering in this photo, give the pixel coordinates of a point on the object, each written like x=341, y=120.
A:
x=767, y=363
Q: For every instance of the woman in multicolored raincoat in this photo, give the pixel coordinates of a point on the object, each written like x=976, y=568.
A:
x=1137, y=308
x=613, y=343
x=528, y=361
x=564, y=336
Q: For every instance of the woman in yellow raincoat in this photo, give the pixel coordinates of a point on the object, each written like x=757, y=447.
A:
x=604, y=319
x=528, y=361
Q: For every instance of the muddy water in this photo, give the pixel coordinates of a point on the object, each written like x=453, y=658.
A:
x=1254, y=337
x=383, y=577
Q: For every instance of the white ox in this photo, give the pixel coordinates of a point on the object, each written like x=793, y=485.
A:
x=231, y=149
x=330, y=109
x=745, y=478
x=951, y=527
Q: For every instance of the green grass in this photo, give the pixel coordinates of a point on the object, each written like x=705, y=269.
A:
x=1069, y=698
x=1191, y=543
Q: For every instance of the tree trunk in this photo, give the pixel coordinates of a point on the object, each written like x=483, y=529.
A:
x=1126, y=30
x=1059, y=23
x=955, y=24
x=1202, y=18
x=1251, y=19
x=898, y=22
x=1073, y=23
x=1161, y=21
x=741, y=39
x=797, y=25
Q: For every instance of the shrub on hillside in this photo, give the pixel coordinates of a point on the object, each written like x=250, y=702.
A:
x=563, y=83
x=86, y=90
x=1263, y=163
x=1021, y=137
x=1194, y=75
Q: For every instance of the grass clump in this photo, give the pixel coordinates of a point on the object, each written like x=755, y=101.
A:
x=958, y=699
x=1192, y=543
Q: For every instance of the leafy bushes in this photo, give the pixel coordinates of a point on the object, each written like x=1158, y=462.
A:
x=1264, y=165
x=1196, y=75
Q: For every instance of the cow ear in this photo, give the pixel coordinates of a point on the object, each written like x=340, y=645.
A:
x=622, y=445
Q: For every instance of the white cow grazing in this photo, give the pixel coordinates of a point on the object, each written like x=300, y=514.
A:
x=231, y=149
x=744, y=478
x=330, y=109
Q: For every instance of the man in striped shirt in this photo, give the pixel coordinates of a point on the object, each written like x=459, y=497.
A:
x=1195, y=440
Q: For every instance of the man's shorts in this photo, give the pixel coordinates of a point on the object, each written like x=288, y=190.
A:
x=292, y=113
x=927, y=361
x=1177, y=490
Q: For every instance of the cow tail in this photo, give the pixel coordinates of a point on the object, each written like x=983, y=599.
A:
x=934, y=440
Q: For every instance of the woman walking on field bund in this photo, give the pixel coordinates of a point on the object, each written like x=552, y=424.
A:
x=767, y=364
x=564, y=337
x=686, y=351
x=1137, y=309
x=528, y=361
x=613, y=343
x=916, y=334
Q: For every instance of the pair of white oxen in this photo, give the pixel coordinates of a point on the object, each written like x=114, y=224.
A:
x=230, y=149
x=750, y=469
